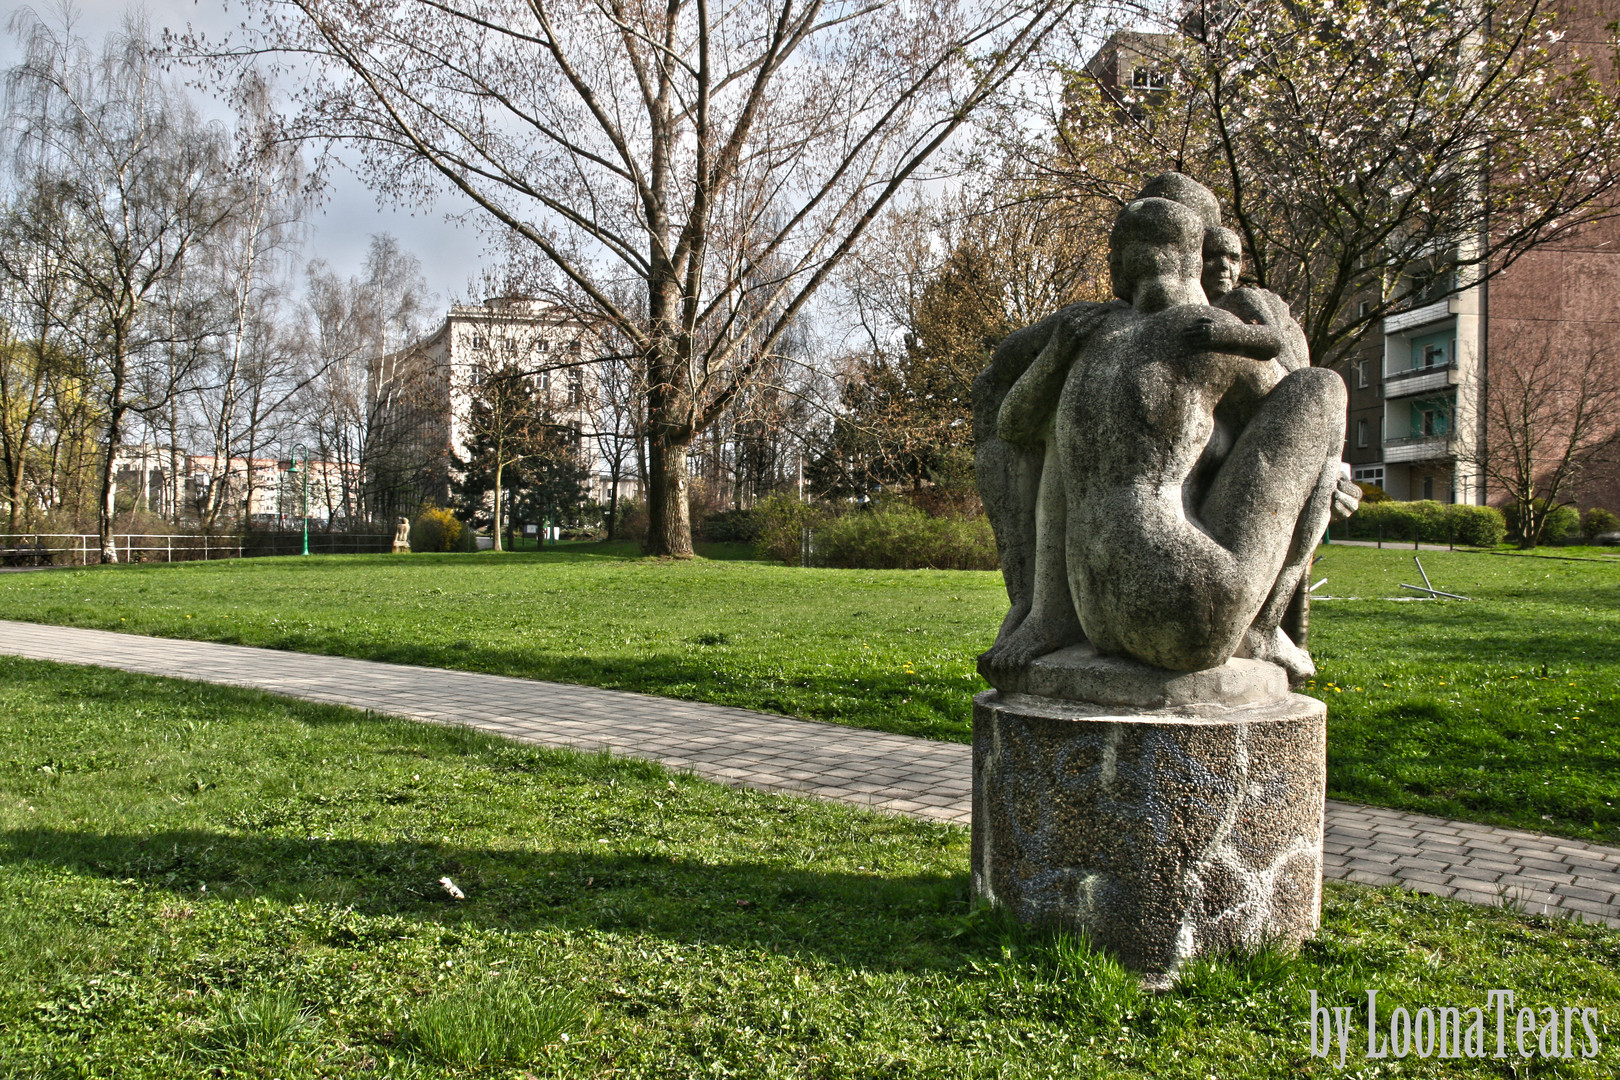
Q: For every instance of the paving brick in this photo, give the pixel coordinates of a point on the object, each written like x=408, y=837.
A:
x=1408, y=874
x=1579, y=892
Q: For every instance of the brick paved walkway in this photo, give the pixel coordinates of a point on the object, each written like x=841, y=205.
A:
x=896, y=773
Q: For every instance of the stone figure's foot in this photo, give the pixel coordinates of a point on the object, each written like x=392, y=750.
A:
x=1278, y=648
x=1032, y=639
x=1015, y=618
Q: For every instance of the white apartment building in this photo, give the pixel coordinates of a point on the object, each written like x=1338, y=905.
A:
x=424, y=393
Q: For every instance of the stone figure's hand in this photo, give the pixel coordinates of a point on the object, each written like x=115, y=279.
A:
x=1345, y=499
x=1200, y=334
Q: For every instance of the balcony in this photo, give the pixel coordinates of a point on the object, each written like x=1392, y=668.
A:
x=1399, y=384
x=1419, y=448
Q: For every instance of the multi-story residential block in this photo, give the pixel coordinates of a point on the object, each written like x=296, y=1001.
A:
x=1422, y=392
x=421, y=396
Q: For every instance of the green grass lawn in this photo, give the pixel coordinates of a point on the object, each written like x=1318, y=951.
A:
x=1500, y=710
x=202, y=881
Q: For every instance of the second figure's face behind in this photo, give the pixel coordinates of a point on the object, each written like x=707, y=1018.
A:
x=1222, y=267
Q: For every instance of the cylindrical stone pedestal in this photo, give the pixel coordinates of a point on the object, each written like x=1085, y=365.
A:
x=1162, y=833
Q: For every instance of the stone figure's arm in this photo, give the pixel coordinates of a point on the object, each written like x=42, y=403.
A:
x=1262, y=307
x=1255, y=342
x=1032, y=399
x=1010, y=360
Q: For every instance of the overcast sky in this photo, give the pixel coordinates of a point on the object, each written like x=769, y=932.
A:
x=342, y=228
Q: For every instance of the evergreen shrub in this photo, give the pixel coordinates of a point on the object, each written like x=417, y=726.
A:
x=730, y=527
x=436, y=529
x=1598, y=521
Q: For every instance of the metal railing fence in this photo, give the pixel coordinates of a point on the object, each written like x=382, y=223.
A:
x=83, y=549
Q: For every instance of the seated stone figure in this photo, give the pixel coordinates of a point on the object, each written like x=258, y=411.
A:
x=1151, y=577
x=1023, y=496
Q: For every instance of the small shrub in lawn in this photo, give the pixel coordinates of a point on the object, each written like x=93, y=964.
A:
x=436, y=529
x=499, y=1021
x=782, y=519
x=1597, y=521
x=1562, y=523
x=256, y=1026
x=1559, y=522
x=898, y=536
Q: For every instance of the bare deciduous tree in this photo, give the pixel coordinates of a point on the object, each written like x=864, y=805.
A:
x=138, y=173
x=713, y=161
x=1549, y=412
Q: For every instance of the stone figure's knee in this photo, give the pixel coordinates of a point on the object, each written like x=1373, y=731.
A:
x=1319, y=390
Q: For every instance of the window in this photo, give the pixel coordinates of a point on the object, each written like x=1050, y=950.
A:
x=1434, y=356
x=1361, y=377
x=1147, y=78
x=479, y=341
x=1366, y=306
x=1361, y=433
x=1371, y=474
x=1428, y=485
x=573, y=346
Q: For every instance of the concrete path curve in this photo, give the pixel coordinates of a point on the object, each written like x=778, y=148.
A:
x=897, y=773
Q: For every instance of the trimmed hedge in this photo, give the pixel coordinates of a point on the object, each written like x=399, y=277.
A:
x=1428, y=521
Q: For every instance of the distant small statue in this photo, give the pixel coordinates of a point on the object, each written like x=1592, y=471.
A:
x=402, y=537
x=1159, y=468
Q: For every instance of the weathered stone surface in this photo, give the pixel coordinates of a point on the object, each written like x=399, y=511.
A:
x=1079, y=674
x=402, y=537
x=1162, y=834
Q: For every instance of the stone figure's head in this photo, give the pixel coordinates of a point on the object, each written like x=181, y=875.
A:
x=1223, y=262
x=1183, y=189
x=1155, y=253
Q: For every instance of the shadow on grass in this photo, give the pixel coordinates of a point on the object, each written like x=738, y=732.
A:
x=884, y=921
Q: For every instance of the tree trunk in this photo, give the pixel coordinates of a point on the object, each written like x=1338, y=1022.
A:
x=115, y=436
x=496, y=524
x=613, y=500
x=109, y=486
x=669, y=521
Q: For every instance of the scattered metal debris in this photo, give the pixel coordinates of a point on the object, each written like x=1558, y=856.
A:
x=1428, y=586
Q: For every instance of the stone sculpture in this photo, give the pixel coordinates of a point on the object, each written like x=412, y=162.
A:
x=402, y=537
x=1159, y=391
x=1158, y=470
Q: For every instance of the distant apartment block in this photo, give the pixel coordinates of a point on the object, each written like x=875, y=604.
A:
x=260, y=491
x=422, y=395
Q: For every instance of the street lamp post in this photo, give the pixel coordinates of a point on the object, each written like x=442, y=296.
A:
x=296, y=448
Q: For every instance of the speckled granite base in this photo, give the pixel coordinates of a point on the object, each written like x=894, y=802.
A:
x=1163, y=834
